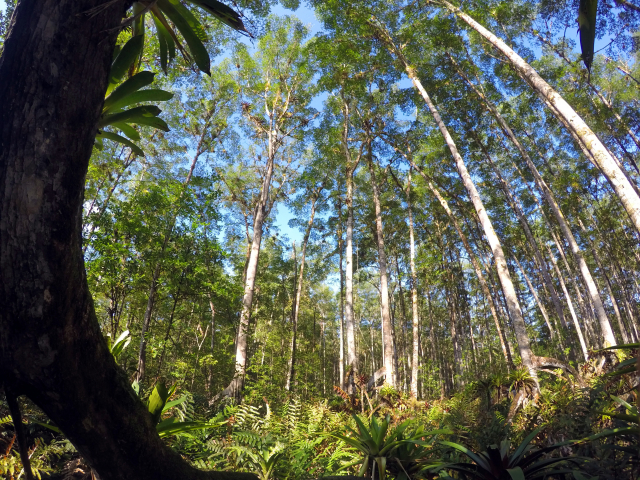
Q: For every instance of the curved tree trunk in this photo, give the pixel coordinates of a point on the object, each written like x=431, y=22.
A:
x=592, y=289
x=53, y=78
x=614, y=302
x=564, y=227
x=501, y=264
x=576, y=125
x=516, y=206
x=472, y=257
x=574, y=317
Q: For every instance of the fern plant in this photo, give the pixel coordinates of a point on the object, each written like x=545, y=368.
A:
x=260, y=454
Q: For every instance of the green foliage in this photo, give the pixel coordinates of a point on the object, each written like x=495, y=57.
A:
x=503, y=463
x=185, y=22
x=587, y=21
x=122, y=94
x=379, y=447
x=119, y=344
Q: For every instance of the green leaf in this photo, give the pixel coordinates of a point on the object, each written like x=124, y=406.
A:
x=163, y=41
x=157, y=401
x=622, y=371
x=190, y=29
x=150, y=95
x=128, y=130
x=129, y=87
x=522, y=447
x=123, y=340
x=138, y=151
x=516, y=473
x=587, y=22
x=625, y=346
x=173, y=403
x=129, y=116
x=222, y=12
x=481, y=462
x=50, y=426
x=166, y=428
x=154, y=122
x=125, y=59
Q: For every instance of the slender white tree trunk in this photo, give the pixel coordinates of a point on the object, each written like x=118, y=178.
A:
x=342, y=329
x=496, y=247
x=415, y=320
x=261, y=211
x=296, y=307
x=514, y=202
x=472, y=257
x=601, y=156
x=592, y=289
x=574, y=317
x=387, y=344
x=352, y=359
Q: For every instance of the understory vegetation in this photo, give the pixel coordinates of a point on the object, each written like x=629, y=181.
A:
x=566, y=432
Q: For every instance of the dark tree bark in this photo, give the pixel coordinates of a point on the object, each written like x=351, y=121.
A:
x=53, y=77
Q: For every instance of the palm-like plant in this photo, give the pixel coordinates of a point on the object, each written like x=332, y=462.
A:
x=526, y=462
x=379, y=449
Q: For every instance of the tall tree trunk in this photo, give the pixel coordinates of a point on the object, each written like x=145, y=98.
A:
x=342, y=329
x=472, y=256
x=592, y=289
x=53, y=77
x=294, y=324
x=515, y=205
x=574, y=317
x=261, y=211
x=387, y=343
x=614, y=302
x=352, y=359
x=602, y=99
x=296, y=307
x=415, y=320
x=501, y=265
x=601, y=156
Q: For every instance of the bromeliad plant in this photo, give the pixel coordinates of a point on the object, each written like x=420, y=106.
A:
x=526, y=462
x=171, y=17
x=400, y=451
x=130, y=92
